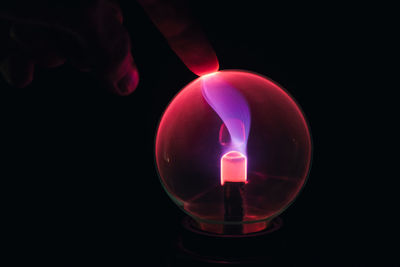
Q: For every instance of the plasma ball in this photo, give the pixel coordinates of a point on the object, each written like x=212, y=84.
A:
x=233, y=167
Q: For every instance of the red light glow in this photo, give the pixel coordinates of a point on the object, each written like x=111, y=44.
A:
x=233, y=167
x=202, y=130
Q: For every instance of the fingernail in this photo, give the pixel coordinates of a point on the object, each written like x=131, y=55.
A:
x=128, y=83
x=18, y=72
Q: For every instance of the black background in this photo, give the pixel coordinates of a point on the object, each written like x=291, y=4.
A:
x=80, y=184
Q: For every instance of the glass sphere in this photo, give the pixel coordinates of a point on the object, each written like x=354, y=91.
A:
x=232, y=148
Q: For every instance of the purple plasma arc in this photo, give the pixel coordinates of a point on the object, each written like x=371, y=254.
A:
x=231, y=107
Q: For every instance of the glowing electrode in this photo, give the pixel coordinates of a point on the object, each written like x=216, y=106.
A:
x=233, y=167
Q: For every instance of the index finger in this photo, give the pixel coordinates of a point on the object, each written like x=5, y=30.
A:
x=183, y=34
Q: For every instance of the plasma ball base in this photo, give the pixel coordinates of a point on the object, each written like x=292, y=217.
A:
x=257, y=249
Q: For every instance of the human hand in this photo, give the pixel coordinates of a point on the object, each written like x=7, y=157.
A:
x=90, y=35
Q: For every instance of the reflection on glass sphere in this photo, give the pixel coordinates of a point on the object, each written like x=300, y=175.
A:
x=233, y=148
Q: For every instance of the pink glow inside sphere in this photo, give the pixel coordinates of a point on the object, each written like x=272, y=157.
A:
x=239, y=127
